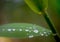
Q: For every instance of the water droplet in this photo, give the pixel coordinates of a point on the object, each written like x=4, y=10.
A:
x=26, y=30
x=9, y=29
x=36, y=31
x=42, y=34
x=20, y=29
x=13, y=29
x=45, y=32
x=31, y=36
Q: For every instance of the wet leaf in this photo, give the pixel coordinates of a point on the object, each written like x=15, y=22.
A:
x=23, y=30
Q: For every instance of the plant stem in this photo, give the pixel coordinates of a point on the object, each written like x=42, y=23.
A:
x=49, y=22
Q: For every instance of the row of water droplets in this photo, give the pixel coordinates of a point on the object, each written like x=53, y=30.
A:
x=31, y=31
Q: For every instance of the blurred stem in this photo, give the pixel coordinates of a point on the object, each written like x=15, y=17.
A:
x=49, y=22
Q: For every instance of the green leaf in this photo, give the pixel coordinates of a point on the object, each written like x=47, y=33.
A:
x=23, y=30
x=37, y=5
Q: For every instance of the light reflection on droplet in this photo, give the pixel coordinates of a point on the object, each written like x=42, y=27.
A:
x=26, y=30
x=9, y=29
x=42, y=34
x=20, y=29
x=13, y=29
x=45, y=32
x=31, y=36
x=36, y=31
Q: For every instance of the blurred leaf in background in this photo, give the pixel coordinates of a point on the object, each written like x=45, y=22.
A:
x=37, y=5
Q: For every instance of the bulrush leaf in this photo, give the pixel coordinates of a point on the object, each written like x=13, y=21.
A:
x=23, y=30
x=37, y=5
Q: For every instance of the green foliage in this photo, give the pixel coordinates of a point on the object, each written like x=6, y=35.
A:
x=23, y=30
x=37, y=5
x=55, y=6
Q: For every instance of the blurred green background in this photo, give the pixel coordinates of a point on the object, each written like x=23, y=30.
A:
x=19, y=12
